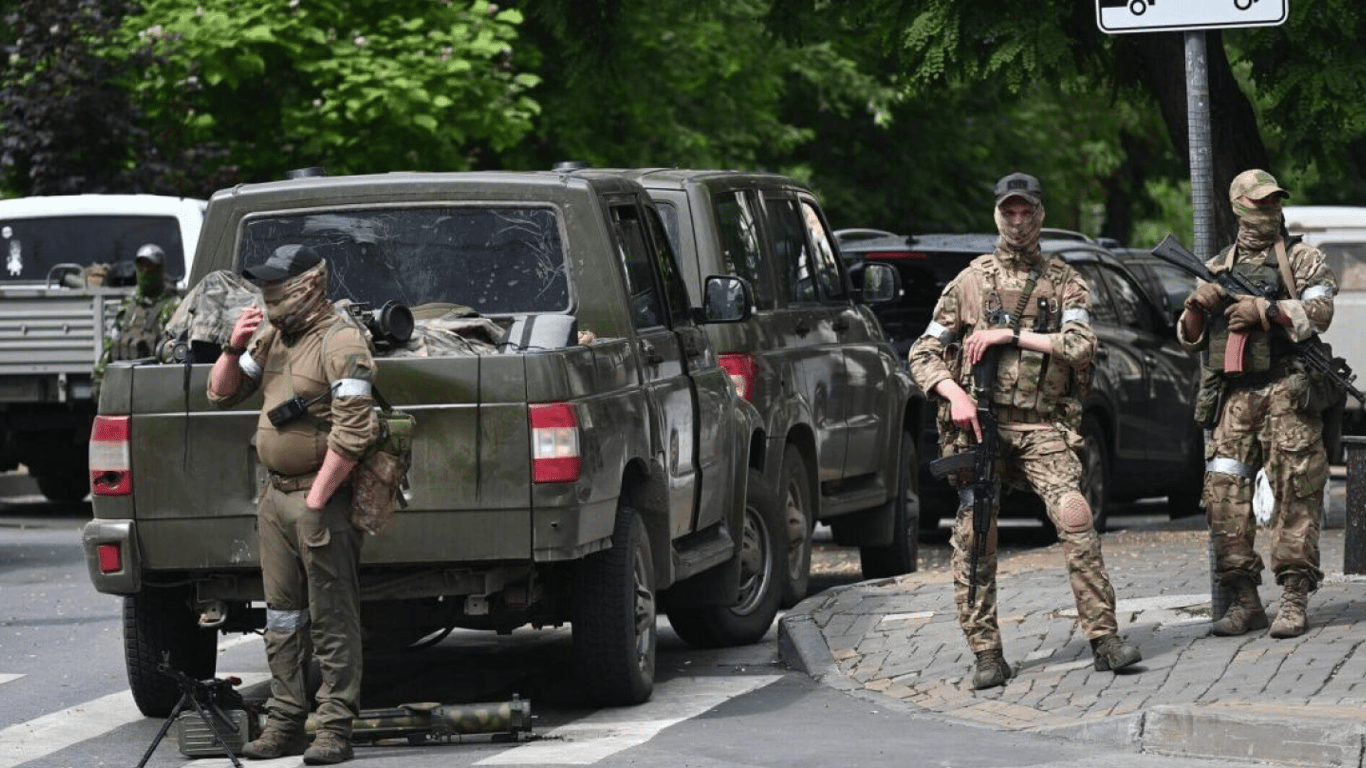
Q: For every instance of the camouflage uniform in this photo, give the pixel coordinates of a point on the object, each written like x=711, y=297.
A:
x=1035, y=403
x=138, y=327
x=1267, y=417
x=309, y=559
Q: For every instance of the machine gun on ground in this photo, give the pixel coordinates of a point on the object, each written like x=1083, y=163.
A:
x=980, y=460
x=222, y=711
x=1334, y=369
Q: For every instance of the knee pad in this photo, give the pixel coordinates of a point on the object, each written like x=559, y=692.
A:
x=1074, y=514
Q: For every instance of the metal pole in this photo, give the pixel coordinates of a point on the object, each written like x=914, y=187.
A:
x=1202, y=206
x=1198, y=137
x=1354, y=518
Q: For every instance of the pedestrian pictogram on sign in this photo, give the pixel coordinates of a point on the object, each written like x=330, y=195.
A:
x=1119, y=16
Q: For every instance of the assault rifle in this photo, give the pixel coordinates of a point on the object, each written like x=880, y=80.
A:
x=1334, y=369
x=980, y=460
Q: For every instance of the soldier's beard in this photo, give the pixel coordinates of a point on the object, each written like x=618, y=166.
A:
x=295, y=304
x=1021, y=240
x=1258, y=227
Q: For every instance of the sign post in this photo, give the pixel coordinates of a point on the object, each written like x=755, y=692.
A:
x=1193, y=17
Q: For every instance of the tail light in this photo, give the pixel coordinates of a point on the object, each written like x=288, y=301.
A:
x=110, y=468
x=554, y=443
x=743, y=373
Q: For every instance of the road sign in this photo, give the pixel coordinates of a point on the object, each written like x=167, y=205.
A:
x=1121, y=16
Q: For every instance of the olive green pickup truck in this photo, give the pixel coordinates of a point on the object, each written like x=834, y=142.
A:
x=584, y=458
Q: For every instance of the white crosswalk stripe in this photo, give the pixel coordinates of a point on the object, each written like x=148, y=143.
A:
x=59, y=730
x=608, y=731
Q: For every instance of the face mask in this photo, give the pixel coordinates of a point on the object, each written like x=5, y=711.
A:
x=1258, y=226
x=1021, y=239
x=295, y=303
x=151, y=282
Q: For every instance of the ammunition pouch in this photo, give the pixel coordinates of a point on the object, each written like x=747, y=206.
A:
x=1209, y=399
x=377, y=481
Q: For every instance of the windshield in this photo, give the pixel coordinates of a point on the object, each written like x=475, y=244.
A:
x=34, y=246
x=494, y=260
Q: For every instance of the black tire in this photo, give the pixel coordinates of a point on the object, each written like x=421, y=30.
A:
x=160, y=623
x=902, y=554
x=799, y=520
x=1095, y=472
x=749, y=617
x=614, y=632
x=65, y=485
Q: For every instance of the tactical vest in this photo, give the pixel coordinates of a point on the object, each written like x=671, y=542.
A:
x=1264, y=348
x=1025, y=379
x=140, y=327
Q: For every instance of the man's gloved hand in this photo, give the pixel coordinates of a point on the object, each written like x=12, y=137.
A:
x=245, y=328
x=1206, y=297
x=1247, y=313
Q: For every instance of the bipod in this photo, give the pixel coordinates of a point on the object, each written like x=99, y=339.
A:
x=191, y=693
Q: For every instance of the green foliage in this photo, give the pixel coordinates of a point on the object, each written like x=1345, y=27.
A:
x=66, y=127
x=680, y=83
x=355, y=85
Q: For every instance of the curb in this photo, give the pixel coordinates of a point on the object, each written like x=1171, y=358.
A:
x=1335, y=737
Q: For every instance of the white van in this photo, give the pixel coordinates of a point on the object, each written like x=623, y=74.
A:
x=1340, y=232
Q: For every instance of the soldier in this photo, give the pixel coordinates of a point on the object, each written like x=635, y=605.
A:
x=315, y=370
x=1263, y=406
x=995, y=302
x=137, y=328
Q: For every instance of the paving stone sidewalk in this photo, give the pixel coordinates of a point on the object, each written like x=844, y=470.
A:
x=1300, y=701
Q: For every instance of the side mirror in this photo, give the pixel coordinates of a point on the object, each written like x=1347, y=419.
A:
x=879, y=283
x=726, y=299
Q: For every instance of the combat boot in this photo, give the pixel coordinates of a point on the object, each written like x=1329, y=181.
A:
x=1245, y=613
x=328, y=747
x=276, y=742
x=1113, y=652
x=992, y=670
x=1292, y=619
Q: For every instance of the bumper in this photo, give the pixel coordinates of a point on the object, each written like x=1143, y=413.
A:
x=102, y=540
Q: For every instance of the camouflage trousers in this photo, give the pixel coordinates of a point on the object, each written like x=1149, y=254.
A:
x=1266, y=428
x=310, y=566
x=1038, y=459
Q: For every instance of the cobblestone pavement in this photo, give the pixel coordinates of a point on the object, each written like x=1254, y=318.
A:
x=1297, y=701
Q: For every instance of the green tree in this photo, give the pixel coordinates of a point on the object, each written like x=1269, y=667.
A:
x=354, y=85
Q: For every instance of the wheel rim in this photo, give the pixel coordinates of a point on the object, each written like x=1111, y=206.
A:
x=644, y=609
x=797, y=526
x=755, y=553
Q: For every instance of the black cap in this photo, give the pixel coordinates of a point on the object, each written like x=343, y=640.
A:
x=1019, y=185
x=287, y=261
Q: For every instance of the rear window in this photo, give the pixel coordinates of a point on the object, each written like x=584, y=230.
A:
x=495, y=260
x=34, y=246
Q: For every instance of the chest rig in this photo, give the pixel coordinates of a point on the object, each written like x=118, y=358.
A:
x=140, y=328
x=1264, y=348
x=1027, y=382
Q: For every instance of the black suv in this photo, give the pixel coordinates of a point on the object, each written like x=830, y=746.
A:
x=836, y=400
x=1141, y=439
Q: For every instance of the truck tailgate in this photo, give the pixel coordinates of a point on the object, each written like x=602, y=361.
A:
x=469, y=481
x=53, y=330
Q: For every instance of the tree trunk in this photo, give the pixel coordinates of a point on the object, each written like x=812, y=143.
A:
x=1236, y=143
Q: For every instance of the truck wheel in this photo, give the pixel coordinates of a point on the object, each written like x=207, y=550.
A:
x=901, y=554
x=64, y=485
x=749, y=617
x=1095, y=472
x=799, y=515
x=614, y=632
x=1184, y=499
x=157, y=623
